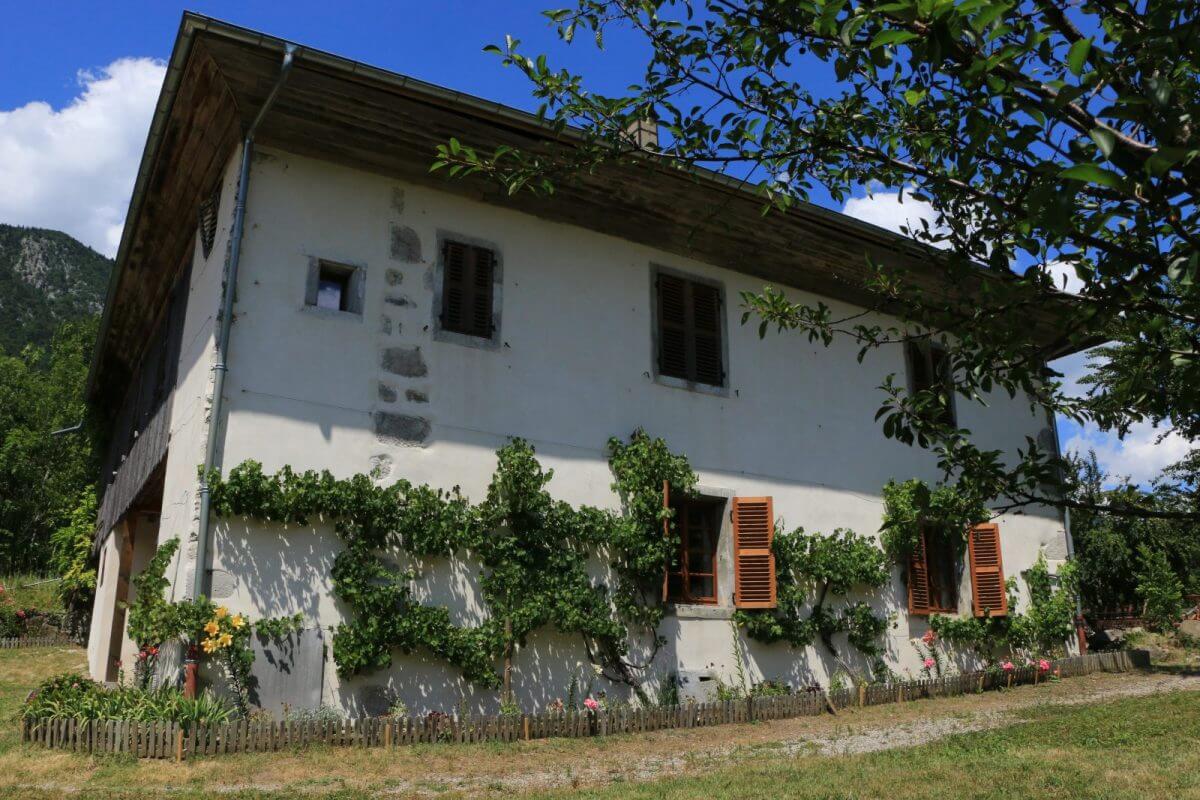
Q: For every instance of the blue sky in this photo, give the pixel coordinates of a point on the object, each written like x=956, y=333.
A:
x=78, y=82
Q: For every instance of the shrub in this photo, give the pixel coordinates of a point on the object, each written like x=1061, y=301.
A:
x=1159, y=588
x=73, y=696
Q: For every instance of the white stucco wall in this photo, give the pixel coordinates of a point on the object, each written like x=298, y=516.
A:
x=573, y=368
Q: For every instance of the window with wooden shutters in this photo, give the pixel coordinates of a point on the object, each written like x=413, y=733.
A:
x=753, y=561
x=690, y=330
x=987, y=571
x=468, y=273
x=933, y=574
x=692, y=569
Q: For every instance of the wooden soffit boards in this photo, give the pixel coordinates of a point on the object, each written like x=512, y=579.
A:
x=200, y=135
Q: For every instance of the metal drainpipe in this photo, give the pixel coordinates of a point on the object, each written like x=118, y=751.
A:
x=222, y=364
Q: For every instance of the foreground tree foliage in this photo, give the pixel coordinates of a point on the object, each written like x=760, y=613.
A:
x=43, y=477
x=1048, y=138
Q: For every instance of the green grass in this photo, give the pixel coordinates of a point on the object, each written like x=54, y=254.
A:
x=1133, y=748
x=43, y=596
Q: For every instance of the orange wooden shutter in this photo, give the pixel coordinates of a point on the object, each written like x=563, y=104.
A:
x=666, y=536
x=918, y=580
x=753, y=561
x=987, y=571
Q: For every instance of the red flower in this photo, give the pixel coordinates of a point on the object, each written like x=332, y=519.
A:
x=20, y=615
x=930, y=637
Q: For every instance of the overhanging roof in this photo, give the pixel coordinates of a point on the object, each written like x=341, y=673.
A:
x=351, y=113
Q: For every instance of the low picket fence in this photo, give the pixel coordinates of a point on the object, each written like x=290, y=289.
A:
x=35, y=641
x=165, y=740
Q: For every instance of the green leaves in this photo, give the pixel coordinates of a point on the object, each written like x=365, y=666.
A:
x=891, y=36
x=1077, y=56
x=1093, y=173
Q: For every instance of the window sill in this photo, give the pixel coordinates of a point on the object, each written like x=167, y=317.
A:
x=691, y=386
x=329, y=313
x=698, y=611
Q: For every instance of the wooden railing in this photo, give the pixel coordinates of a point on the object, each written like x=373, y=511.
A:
x=167, y=740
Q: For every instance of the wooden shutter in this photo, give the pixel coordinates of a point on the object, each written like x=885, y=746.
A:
x=467, y=289
x=987, y=571
x=706, y=335
x=753, y=561
x=919, y=601
x=689, y=331
x=672, y=326
x=666, y=536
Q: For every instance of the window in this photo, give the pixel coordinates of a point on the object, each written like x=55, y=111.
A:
x=689, y=329
x=335, y=287
x=933, y=574
x=467, y=289
x=692, y=574
x=929, y=369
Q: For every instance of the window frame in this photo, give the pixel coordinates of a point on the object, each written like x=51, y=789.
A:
x=673, y=381
x=926, y=349
x=954, y=589
x=441, y=334
x=354, y=297
x=684, y=508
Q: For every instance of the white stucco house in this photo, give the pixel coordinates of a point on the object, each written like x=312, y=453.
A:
x=318, y=299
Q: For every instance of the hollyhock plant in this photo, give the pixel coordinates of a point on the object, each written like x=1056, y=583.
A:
x=1007, y=666
x=591, y=704
x=929, y=663
x=1044, y=665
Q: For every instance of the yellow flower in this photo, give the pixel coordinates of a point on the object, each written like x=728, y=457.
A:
x=222, y=612
x=212, y=627
x=225, y=640
x=237, y=620
x=209, y=645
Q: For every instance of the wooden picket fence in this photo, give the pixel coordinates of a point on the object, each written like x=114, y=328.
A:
x=35, y=641
x=165, y=740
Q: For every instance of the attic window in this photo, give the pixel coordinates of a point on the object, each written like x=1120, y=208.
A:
x=689, y=330
x=335, y=287
x=467, y=290
x=208, y=221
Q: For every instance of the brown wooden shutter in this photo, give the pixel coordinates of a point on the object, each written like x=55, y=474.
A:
x=753, y=561
x=987, y=571
x=706, y=335
x=672, y=327
x=919, y=601
x=467, y=289
x=666, y=536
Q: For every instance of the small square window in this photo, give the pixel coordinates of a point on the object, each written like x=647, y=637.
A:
x=335, y=287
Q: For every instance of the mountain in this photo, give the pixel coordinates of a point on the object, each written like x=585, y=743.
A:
x=46, y=278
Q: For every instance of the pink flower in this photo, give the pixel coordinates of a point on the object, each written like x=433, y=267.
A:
x=929, y=662
x=1043, y=665
x=591, y=704
x=1007, y=666
x=20, y=615
x=930, y=637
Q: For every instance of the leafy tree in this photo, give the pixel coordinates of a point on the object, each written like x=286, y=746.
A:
x=42, y=476
x=1048, y=138
x=71, y=559
x=1160, y=589
x=1108, y=545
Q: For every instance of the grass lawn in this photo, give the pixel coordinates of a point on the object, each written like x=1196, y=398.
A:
x=31, y=591
x=1135, y=747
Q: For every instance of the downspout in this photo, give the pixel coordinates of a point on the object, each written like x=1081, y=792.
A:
x=222, y=363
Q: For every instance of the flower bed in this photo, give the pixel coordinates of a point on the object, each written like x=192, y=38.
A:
x=189, y=734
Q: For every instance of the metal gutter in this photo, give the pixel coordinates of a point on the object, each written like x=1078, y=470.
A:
x=221, y=366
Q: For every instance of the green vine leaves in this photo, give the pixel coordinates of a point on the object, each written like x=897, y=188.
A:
x=912, y=505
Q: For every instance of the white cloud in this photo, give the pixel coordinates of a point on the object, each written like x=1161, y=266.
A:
x=1140, y=456
x=1065, y=278
x=72, y=169
x=891, y=211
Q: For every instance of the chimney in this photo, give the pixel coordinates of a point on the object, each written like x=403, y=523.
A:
x=644, y=132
